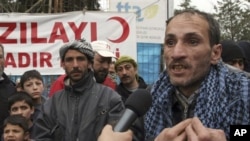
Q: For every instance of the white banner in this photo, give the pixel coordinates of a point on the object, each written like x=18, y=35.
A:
x=32, y=41
x=151, y=17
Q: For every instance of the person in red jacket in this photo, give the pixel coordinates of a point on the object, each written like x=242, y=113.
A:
x=57, y=85
x=102, y=60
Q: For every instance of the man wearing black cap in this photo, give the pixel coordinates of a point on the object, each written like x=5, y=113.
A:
x=232, y=54
x=245, y=48
x=83, y=107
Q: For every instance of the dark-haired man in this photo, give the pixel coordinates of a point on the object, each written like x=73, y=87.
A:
x=197, y=97
x=83, y=107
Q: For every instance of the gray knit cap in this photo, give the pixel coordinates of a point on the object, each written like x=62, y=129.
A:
x=80, y=45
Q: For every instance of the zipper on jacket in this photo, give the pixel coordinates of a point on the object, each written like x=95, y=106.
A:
x=185, y=112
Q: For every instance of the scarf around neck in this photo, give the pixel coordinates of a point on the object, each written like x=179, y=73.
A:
x=224, y=100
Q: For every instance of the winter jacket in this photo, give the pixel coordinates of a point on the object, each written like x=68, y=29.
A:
x=223, y=99
x=59, y=85
x=7, y=88
x=109, y=82
x=138, y=125
x=78, y=112
x=126, y=93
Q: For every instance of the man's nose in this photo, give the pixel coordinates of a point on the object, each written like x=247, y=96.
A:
x=105, y=65
x=10, y=134
x=19, y=111
x=75, y=63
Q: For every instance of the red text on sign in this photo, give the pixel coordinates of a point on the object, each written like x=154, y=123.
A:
x=42, y=59
x=58, y=32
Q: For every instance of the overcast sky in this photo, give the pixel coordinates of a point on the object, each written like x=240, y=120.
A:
x=204, y=5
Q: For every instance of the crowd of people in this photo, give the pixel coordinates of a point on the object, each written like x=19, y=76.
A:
x=204, y=89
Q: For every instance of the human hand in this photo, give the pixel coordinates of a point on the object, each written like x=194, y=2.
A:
x=196, y=131
x=176, y=133
x=109, y=135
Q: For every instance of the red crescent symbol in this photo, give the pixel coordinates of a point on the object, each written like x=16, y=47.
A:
x=125, y=28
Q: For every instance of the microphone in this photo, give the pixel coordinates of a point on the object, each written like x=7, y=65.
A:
x=136, y=105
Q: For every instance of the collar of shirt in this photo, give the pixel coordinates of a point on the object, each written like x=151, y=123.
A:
x=185, y=100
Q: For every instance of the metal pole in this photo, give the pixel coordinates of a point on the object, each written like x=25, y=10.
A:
x=50, y=6
x=55, y=6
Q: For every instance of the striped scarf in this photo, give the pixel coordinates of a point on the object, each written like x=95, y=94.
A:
x=224, y=100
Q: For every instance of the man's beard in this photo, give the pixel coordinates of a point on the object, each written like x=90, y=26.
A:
x=100, y=78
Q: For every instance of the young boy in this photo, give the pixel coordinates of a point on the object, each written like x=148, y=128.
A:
x=21, y=104
x=32, y=83
x=15, y=128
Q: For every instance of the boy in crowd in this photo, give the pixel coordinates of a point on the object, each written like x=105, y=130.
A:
x=16, y=128
x=32, y=83
x=20, y=103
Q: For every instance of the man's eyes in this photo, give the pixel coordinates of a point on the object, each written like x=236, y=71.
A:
x=79, y=58
x=190, y=42
x=169, y=42
x=193, y=42
x=14, y=109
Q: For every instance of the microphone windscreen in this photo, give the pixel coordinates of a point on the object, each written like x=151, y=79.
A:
x=139, y=101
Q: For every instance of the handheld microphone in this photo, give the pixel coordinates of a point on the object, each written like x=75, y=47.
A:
x=136, y=105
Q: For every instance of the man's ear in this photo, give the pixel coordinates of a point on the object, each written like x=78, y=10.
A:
x=216, y=54
x=62, y=65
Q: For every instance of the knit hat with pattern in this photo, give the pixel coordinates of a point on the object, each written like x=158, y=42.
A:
x=80, y=45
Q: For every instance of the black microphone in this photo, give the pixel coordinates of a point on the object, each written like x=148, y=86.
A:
x=136, y=105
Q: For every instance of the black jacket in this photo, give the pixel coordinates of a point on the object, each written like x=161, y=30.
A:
x=7, y=88
x=78, y=112
x=138, y=125
x=126, y=93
